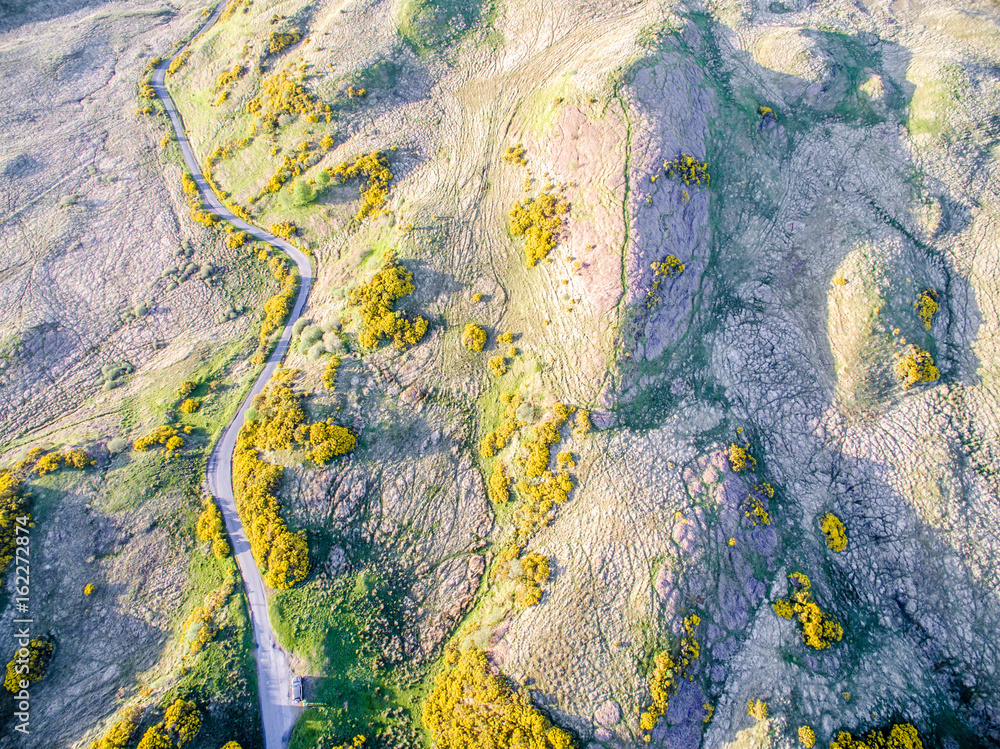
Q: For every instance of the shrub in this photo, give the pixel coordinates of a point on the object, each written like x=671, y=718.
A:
x=757, y=709
x=807, y=737
x=753, y=508
x=687, y=169
x=220, y=548
x=88, y=589
x=178, y=62
x=285, y=230
x=473, y=337
x=501, y=436
x=898, y=736
x=182, y=719
x=916, y=366
x=159, y=436
x=280, y=41
x=48, y=464
x=156, y=737
x=231, y=745
x=282, y=556
x=330, y=373
x=582, y=424
x=469, y=706
x=671, y=267
x=329, y=441
x=534, y=573
x=77, y=459
x=190, y=405
x=120, y=734
x=198, y=629
x=819, y=629
x=277, y=307
x=13, y=505
x=499, y=485
x=516, y=155
x=740, y=459
x=497, y=365
x=541, y=499
x=279, y=414
x=835, y=532
x=310, y=335
x=505, y=339
x=374, y=169
x=281, y=95
x=288, y=561
x=540, y=440
x=191, y=192
x=228, y=77
x=539, y=221
x=667, y=670
x=28, y=666
x=927, y=306
x=209, y=526
x=376, y=300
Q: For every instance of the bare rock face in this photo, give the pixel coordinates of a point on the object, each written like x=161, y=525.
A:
x=668, y=216
x=608, y=714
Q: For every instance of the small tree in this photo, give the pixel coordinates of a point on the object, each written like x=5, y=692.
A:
x=302, y=193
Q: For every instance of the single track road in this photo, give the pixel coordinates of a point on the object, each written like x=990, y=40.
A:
x=277, y=710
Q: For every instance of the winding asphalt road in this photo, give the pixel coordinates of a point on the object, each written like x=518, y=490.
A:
x=274, y=674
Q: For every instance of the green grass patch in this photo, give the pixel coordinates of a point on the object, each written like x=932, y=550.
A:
x=432, y=25
x=348, y=630
x=223, y=676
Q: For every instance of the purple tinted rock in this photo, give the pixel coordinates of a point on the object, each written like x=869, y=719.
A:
x=685, y=736
x=666, y=578
x=684, y=535
x=608, y=714
x=732, y=604
x=764, y=540
x=754, y=590
x=687, y=704
x=721, y=461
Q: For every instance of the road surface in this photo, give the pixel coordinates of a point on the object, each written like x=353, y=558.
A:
x=277, y=711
